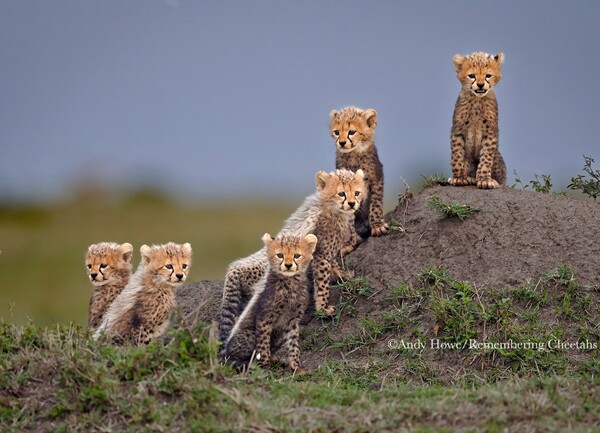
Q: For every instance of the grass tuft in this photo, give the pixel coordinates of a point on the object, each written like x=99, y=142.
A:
x=451, y=210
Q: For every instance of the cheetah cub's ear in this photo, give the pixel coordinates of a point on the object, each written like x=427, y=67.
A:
x=311, y=241
x=499, y=58
x=359, y=174
x=126, y=250
x=267, y=239
x=187, y=249
x=370, y=116
x=321, y=178
x=333, y=114
x=146, y=253
x=458, y=60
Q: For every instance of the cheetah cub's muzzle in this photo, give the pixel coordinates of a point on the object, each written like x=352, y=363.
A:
x=169, y=263
x=287, y=254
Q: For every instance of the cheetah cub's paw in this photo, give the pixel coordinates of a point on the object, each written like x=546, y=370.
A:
x=328, y=311
x=462, y=181
x=380, y=229
x=487, y=184
x=343, y=275
x=347, y=249
x=299, y=371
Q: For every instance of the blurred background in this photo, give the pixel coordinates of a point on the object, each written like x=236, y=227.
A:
x=196, y=121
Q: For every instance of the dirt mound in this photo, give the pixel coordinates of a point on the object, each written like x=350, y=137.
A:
x=515, y=237
x=522, y=271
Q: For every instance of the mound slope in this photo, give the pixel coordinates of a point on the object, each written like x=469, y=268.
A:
x=495, y=285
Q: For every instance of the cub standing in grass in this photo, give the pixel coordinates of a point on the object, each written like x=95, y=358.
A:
x=272, y=318
x=353, y=131
x=108, y=266
x=476, y=159
x=141, y=312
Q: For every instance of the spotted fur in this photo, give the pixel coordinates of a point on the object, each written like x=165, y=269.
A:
x=342, y=192
x=476, y=159
x=108, y=266
x=246, y=274
x=141, y=312
x=353, y=131
x=271, y=321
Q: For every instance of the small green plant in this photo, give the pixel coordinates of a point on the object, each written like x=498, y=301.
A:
x=350, y=290
x=436, y=179
x=540, y=183
x=458, y=316
x=451, y=210
x=395, y=226
x=435, y=276
x=581, y=182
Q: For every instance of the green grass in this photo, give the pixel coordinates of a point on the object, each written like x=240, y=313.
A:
x=435, y=179
x=451, y=210
x=42, y=273
x=490, y=335
x=58, y=379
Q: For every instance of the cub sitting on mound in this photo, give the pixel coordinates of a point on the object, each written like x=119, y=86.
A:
x=341, y=192
x=476, y=159
x=108, y=266
x=353, y=131
x=141, y=312
x=272, y=318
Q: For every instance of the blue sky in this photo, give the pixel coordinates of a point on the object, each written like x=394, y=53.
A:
x=209, y=99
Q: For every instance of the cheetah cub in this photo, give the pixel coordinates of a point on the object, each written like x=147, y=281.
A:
x=353, y=131
x=246, y=274
x=108, y=267
x=476, y=159
x=141, y=312
x=341, y=192
x=271, y=320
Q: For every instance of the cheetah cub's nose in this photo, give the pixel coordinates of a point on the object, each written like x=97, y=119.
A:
x=351, y=204
x=179, y=276
x=288, y=265
x=342, y=143
x=94, y=275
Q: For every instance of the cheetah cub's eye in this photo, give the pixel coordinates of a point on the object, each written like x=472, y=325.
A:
x=471, y=76
x=184, y=266
x=169, y=266
x=336, y=132
x=342, y=194
x=488, y=76
x=297, y=256
x=89, y=266
x=357, y=193
x=103, y=266
x=351, y=132
x=279, y=255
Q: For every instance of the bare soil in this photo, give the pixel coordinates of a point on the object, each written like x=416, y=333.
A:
x=515, y=237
